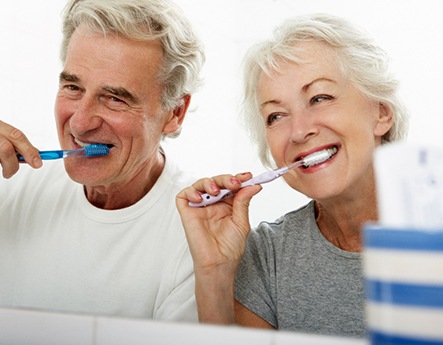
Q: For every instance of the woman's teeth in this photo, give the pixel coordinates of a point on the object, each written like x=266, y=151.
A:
x=319, y=157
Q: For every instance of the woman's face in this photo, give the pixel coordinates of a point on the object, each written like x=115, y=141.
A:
x=312, y=106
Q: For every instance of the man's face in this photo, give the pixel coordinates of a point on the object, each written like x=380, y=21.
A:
x=109, y=93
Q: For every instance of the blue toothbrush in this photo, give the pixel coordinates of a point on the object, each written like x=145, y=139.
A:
x=94, y=150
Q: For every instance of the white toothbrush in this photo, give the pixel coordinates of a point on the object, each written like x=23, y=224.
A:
x=268, y=176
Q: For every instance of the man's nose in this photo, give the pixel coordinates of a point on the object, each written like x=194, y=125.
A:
x=86, y=116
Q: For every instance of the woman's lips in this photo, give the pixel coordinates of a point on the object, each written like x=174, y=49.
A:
x=317, y=156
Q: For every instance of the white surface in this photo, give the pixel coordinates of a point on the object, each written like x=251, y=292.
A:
x=44, y=328
x=409, y=181
x=424, y=323
x=38, y=328
x=419, y=267
x=286, y=338
x=117, y=332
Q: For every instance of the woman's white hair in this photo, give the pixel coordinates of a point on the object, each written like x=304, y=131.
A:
x=360, y=59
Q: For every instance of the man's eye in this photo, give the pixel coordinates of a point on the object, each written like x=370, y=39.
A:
x=117, y=100
x=71, y=87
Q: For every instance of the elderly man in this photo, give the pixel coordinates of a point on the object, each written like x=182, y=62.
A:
x=101, y=235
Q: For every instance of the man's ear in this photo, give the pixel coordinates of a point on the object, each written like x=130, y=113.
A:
x=177, y=116
x=384, y=121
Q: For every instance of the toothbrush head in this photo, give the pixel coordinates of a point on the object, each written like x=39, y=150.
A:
x=318, y=157
x=96, y=150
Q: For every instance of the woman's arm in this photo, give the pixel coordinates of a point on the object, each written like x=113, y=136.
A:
x=245, y=317
x=217, y=238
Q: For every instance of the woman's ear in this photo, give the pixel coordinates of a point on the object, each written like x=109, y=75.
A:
x=384, y=121
x=177, y=116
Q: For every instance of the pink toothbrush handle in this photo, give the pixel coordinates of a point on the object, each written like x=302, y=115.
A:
x=208, y=199
x=211, y=199
x=268, y=176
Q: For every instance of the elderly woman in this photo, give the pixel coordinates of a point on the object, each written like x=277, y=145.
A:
x=320, y=84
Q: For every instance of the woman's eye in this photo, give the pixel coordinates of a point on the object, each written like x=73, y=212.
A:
x=320, y=98
x=272, y=118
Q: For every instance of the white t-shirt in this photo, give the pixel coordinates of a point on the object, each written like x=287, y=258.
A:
x=60, y=253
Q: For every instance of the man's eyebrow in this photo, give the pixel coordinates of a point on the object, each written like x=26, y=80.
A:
x=64, y=76
x=116, y=91
x=121, y=92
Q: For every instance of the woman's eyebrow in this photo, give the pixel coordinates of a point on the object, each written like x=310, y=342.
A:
x=264, y=104
x=305, y=88
x=317, y=81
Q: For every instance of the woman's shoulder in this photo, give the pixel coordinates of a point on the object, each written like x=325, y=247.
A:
x=301, y=217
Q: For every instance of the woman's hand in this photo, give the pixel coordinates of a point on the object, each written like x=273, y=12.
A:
x=217, y=238
x=217, y=233
x=12, y=141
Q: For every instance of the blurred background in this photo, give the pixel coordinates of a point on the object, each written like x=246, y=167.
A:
x=213, y=141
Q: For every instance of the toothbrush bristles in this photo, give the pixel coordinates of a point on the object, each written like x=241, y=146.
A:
x=318, y=157
x=96, y=150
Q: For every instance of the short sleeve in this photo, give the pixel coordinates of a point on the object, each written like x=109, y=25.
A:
x=255, y=279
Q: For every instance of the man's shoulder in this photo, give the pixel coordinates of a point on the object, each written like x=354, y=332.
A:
x=176, y=177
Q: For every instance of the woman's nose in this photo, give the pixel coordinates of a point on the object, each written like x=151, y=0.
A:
x=303, y=127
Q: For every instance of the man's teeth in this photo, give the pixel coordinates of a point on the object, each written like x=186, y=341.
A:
x=82, y=144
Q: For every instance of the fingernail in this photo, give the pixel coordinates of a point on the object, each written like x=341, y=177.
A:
x=37, y=162
x=214, y=187
x=234, y=181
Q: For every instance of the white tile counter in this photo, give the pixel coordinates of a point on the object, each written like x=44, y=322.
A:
x=20, y=327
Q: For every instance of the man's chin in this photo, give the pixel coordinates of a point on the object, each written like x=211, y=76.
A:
x=85, y=173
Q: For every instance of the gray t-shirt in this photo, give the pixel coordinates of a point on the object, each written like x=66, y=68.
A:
x=295, y=279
